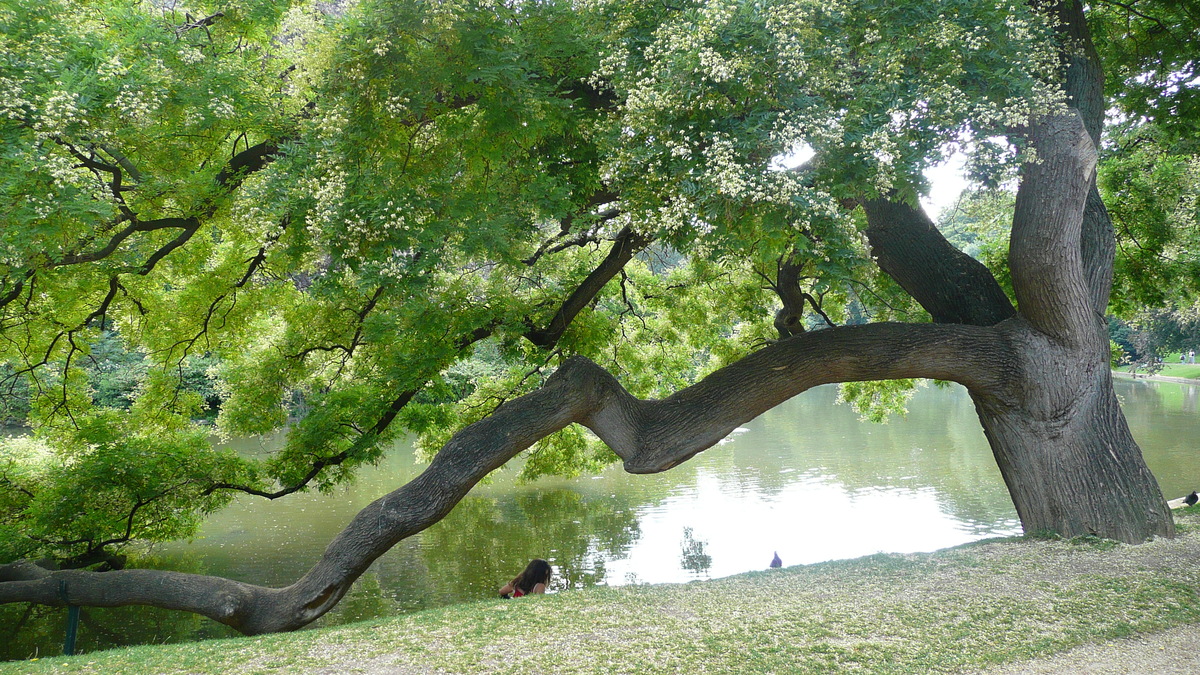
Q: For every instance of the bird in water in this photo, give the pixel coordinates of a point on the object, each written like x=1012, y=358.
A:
x=776, y=562
x=1191, y=499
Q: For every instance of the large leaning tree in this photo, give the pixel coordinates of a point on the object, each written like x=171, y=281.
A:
x=495, y=224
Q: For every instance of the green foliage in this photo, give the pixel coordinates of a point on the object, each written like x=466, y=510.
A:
x=979, y=224
x=1151, y=161
x=875, y=401
x=114, y=373
x=1117, y=354
x=1151, y=65
x=1153, y=195
x=116, y=478
x=348, y=221
x=14, y=396
x=570, y=453
x=1150, y=335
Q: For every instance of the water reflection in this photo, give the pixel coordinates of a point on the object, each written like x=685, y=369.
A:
x=806, y=479
x=1165, y=419
x=693, y=558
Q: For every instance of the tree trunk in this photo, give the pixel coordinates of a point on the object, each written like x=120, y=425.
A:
x=1055, y=426
x=1065, y=451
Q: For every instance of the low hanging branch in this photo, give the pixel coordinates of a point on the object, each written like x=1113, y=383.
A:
x=650, y=436
x=625, y=245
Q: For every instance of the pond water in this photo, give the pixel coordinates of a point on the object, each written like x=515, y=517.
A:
x=807, y=480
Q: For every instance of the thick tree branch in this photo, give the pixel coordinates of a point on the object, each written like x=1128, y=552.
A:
x=649, y=436
x=789, y=320
x=1084, y=83
x=1045, y=250
x=949, y=284
x=117, y=239
x=1082, y=71
x=653, y=436
x=15, y=291
x=124, y=162
x=198, y=23
x=244, y=163
x=555, y=243
x=1099, y=249
x=626, y=244
x=231, y=175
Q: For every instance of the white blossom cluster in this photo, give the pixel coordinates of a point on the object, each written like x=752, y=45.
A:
x=657, y=91
x=191, y=55
x=328, y=190
x=56, y=113
x=15, y=102
x=397, y=106
x=337, y=224
x=794, y=28
x=301, y=30
x=380, y=45
x=64, y=172
x=135, y=104
x=443, y=15
x=731, y=175
x=394, y=217
x=221, y=106
x=872, y=90
x=397, y=265
x=112, y=68
x=252, y=209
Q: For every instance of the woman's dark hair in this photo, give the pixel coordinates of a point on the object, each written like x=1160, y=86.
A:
x=536, y=572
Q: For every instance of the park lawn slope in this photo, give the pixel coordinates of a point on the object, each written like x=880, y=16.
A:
x=954, y=610
x=1181, y=370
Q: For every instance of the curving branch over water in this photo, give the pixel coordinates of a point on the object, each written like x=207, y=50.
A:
x=649, y=435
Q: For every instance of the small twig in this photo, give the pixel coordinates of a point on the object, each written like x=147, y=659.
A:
x=199, y=23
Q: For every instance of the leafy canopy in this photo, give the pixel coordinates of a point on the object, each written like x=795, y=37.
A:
x=334, y=207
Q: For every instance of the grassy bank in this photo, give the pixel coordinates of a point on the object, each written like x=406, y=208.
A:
x=1171, y=368
x=952, y=611
x=1183, y=370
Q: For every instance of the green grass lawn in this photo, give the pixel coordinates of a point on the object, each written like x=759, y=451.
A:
x=1173, y=368
x=955, y=610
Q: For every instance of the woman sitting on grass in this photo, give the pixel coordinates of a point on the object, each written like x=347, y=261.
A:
x=533, y=579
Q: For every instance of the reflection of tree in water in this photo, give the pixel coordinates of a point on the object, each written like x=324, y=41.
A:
x=938, y=446
x=485, y=541
x=1162, y=418
x=693, y=557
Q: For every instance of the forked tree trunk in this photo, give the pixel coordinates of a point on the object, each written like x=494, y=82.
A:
x=1054, y=426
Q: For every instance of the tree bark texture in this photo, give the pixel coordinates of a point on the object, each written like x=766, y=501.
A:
x=1063, y=446
x=952, y=286
x=1057, y=431
x=1066, y=454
